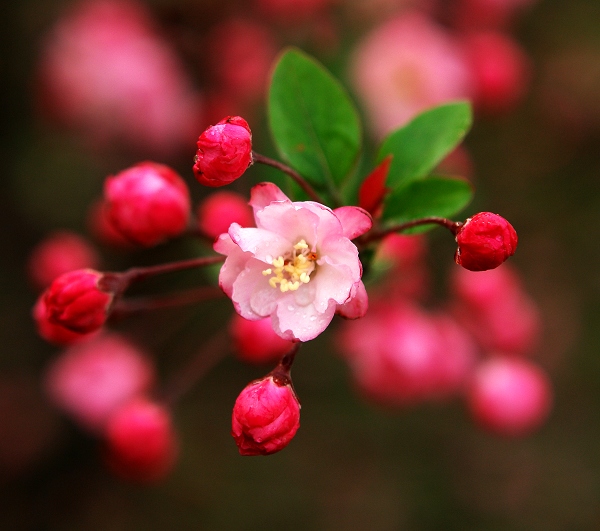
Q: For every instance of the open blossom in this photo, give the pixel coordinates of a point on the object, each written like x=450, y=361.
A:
x=297, y=265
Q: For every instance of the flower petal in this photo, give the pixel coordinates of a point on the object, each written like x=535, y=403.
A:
x=263, y=244
x=357, y=305
x=355, y=221
x=304, y=323
x=263, y=194
x=290, y=221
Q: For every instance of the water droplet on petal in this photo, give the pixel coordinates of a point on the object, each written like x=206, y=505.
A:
x=313, y=317
x=290, y=308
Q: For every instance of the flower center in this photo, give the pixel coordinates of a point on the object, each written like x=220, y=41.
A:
x=290, y=272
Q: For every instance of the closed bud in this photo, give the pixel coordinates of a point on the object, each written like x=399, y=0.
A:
x=224, y=152
x=219, y=210
x=256, y=341
x=484, y=242
x=79, y=300
x=140, y=441
x=148, y=203
x=266, y=416
x=53, y=333
x=510, y=396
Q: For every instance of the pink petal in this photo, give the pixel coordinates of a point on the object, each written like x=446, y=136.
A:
x=263, y=244
x=251, y=293
x=304, y=323
x=341, y=250
x=290, y=221
x=234, y=265
x=358, y=304
x=264, y=194
x=355, y=221
x=334, y=283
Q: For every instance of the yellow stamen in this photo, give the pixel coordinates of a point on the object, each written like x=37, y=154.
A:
x=292, y=270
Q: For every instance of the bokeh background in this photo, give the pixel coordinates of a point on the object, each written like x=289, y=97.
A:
x=352, y=465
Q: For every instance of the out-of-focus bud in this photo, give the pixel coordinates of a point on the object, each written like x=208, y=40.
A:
x=148, y=203
x=89, y=381
x=101, y=227
x=266, y=416
x=60, y=253
x=219, y=210
x=241, y=70
x=493, y=307
x=224, y=152
x=485, y=14
x=256, y=341
x=140, y=442
x=501, y=71
x=79, y=300
x=53, y=333
x=510, y=396
x=484, y=242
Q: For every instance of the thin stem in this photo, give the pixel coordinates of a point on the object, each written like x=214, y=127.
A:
x=281, y=373
x=141, y=273
x=124, y=308
x=261, y=159
x=452, y=226
x=184, y=379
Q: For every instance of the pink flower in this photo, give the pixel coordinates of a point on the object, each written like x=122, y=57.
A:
x=405, y=66
x=485, y=241
x=91, y=380
x=266, y=416
x=224, y=152
x=298, y=265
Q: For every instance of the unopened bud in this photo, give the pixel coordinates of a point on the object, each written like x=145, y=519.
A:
x=224, y=152
x=148, y=203
x=484, y=242
x=266, y=416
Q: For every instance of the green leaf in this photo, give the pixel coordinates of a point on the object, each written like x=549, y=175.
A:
x=313, y=121
x=421, y=144
x=432, y=196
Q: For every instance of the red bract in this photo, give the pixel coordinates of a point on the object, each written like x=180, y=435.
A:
x=484, y=242
x=148, y=203
x=89, y=381
x=266, y=416
x=140, y=441
x=256, y=341
x=510, y=396
x=224, y=152
x=79, y=301
x=219, y=210
x=60, y=253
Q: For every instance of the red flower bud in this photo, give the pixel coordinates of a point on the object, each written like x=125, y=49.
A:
x=219, y=210
x=148, y=203
x=140, y=441
x=224, y=152
x=53, y=333
x=266, y=416
x=78, y=300
x=484, y=242
x=510, y=396
x=256, y=341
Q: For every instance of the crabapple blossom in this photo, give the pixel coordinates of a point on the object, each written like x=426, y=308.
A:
x=79, y=300
x=60, y=253
x=297, y=265
x=148, y=203
x=219, y=210
x=485, y=241
x=510, y=396
x=106, y=72
x=224, y=152
x=405, y=66
x=140, y=442
x=90, y=380
x=266, y=416
x=256, y=341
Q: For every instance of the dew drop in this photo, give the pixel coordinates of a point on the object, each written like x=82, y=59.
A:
x=290, y=308
x=313, y=317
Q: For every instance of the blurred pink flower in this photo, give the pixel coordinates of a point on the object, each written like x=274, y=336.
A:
x=298, y=265
x=106, y=72
x=89, y=381
x=405, y=66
